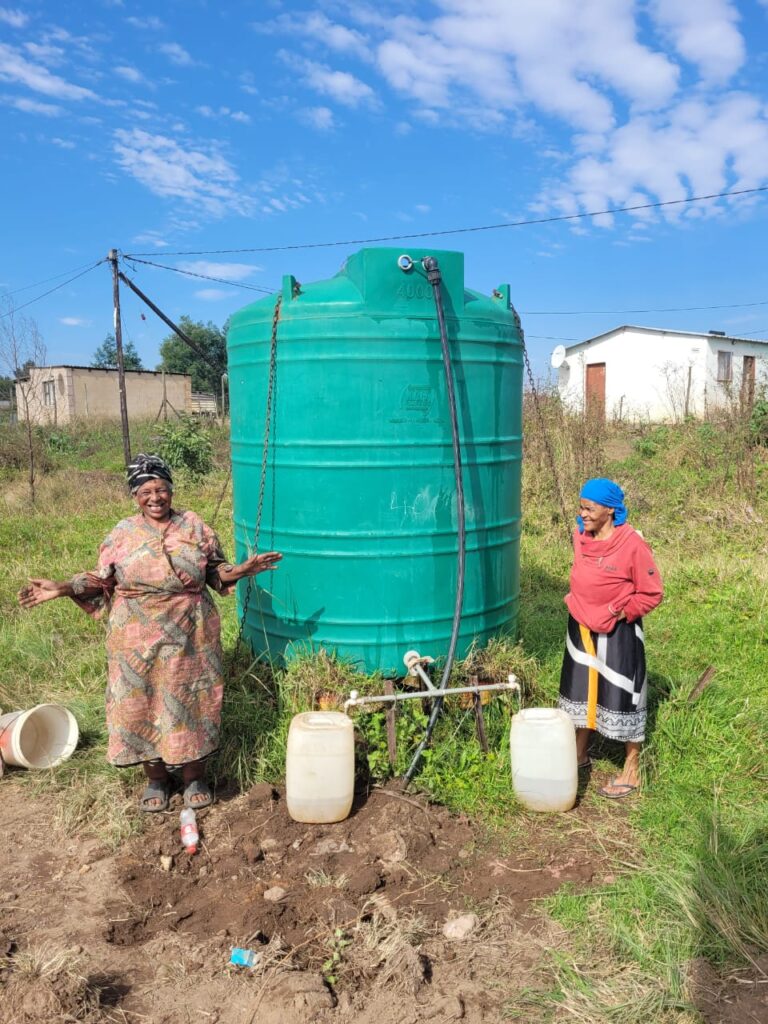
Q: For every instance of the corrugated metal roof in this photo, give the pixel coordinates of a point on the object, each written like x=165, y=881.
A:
x=665, y=330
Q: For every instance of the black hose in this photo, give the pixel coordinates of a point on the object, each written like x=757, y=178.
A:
x=434, y=277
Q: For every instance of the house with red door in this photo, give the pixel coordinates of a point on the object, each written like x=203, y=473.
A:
x=660, y=375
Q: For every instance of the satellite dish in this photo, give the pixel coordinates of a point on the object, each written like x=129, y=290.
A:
x=558, y=356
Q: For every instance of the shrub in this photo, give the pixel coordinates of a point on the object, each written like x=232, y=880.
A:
x=758, y=424
x=186, y=444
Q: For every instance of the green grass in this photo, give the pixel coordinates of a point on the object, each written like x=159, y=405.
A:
x=691, y=879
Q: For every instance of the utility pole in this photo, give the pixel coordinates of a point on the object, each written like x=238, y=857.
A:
x=120, y=364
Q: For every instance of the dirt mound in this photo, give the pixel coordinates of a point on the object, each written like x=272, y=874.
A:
x=346, y=920
x=741, y=998
x=260, y=874
x=48, y=994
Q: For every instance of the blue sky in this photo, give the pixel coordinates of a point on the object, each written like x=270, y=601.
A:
x=163, y=128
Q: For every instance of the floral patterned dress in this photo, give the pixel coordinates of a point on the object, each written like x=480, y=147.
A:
x=165, y=680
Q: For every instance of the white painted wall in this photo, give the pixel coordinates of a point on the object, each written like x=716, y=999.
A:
x=647, y=372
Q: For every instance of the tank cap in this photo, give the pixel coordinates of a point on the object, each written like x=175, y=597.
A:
x=405, y=262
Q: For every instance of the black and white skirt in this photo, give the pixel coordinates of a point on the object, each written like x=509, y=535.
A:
x=603, y=684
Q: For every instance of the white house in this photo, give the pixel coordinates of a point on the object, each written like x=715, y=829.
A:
x=659, y=374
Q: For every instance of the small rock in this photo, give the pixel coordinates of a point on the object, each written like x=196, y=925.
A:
x=269, y=844
x=166, y=863
x=302, y=990
x=390, y=848
x=327, y=846
x=261, y=793
x=366, y=880
x=275, y=894
x=460, y=927
x=203, y=871
x=84, y=869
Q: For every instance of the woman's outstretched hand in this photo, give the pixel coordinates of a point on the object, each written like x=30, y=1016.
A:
x=38, y=591
x=259, y=563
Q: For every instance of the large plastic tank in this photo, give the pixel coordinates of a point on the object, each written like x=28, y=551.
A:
x=360, y=494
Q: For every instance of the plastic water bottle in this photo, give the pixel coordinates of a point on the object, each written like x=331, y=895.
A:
x=190, y=837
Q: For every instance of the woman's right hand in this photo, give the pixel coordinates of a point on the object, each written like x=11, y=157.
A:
x=38, y=591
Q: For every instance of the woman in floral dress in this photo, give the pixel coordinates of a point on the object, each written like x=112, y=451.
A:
x=165, y=680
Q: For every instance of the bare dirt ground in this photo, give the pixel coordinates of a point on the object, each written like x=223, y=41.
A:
x=346, y=920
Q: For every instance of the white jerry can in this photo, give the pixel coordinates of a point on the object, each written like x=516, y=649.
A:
x=542, y=743
x=320, y=767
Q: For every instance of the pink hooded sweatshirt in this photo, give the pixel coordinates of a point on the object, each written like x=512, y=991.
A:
x=610, y=576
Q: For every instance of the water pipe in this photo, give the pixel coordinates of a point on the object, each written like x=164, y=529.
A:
x=355, y=701
x=432, y=270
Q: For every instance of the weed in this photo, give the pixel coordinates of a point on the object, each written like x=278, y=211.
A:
x=186, y=444
x=336, y=946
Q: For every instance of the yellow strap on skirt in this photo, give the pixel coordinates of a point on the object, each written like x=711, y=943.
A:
x=589, y=647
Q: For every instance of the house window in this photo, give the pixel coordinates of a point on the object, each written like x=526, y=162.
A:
x=724, y=367
x=49, y=392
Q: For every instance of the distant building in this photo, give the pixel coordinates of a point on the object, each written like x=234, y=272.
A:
x=659, y=374
x=60, y=394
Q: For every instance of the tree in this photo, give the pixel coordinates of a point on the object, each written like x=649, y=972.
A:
x=105, y=356
x=178, y=357
x=21, y=349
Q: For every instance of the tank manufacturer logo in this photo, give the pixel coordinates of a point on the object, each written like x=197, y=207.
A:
x=418, y=398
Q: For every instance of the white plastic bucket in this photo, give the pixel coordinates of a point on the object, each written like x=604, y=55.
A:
x=320, y=767
x=42, y=737
x=542, y=744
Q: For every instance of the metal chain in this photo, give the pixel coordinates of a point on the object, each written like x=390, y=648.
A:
x=544, y=435
x=264, y=454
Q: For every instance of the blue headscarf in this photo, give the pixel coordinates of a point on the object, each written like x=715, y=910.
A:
x=604, y=492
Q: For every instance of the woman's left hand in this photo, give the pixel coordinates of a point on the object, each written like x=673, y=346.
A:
x=258, y=563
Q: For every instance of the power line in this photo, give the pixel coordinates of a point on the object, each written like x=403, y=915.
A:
x=205, y=277
x=618, y=312
x=50, y=291
x=55, y=277
x=467, y=230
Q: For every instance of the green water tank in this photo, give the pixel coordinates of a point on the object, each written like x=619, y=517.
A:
x=360, y=492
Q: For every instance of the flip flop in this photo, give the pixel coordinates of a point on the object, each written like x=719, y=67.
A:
x=625, y=787
x=584, y=764
x=157, y=789
x=198, y=788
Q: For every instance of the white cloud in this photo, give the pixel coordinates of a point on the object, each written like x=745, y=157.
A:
x=129, y=73
x=74, y=321
x=197, y=174
x=341, y=86
x=248, y=82
x=224, y=112
x=704, y=33
x=176, y=54
x=14, y=67
x=28, y=106
x=63, y=143
x=337, y=37
x=214, y=294
x=422, y=208
x=151, y=238
x=13, y=17
x=46, y=53
x=150, y=22
x=699, y=147
x=230, y=271
x=320, y=118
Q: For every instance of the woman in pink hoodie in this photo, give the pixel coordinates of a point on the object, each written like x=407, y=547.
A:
x=614, y=582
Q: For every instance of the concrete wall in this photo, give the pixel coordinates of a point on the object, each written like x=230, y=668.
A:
x=96, y=394
x=657, y=375
x=60, y=394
